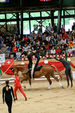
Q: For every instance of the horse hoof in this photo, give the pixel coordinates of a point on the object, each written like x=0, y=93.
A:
x=68, y=86
x=62, y=87
x=30, y=87
x=24, y=86
x=49, y=87
x=26, y=99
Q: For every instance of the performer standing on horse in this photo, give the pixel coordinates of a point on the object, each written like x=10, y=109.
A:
x=29, y=55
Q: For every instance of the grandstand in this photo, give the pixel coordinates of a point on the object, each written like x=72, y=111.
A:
x=45, y=25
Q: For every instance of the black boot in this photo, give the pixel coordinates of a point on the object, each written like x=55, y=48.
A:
x=71, y=84
x=68, y=85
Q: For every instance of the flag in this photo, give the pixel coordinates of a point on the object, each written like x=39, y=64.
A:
x=7, y=65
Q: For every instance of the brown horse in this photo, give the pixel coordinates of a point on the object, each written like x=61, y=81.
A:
x=46, y=71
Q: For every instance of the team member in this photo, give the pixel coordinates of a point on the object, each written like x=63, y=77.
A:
x=7, y=93
x=18, y=86
x=29, y=55
x=67, y=69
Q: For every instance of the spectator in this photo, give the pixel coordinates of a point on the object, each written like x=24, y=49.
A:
x=69, y=50
x=42, y=52
x=2, y=44
x=65, y=35
x=13, y=42
x=19, y=38
x=7, y=54
x=71, y=44
x=20, y=48
x=26, y=39
x=30, y=37
x=17, y=44
x=63, y=41
x=53, y=51
x=1, y=39
x=62, y=30
x=55, y=28
x=22, y=42
x=26, y=47
x=7, y=41
x=14, y=49
x=49, y=28
x=58, y=50
x=62, y=49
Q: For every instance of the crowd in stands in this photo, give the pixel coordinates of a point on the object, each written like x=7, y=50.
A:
x=47, y=43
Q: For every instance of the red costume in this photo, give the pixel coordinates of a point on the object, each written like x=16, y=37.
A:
x=18, y=86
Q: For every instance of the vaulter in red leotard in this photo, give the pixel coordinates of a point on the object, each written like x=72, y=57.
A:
x=18, y=86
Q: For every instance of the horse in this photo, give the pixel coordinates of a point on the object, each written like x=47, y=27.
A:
x=46, y=71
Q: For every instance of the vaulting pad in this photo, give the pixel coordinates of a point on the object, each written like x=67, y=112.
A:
x=58, y=65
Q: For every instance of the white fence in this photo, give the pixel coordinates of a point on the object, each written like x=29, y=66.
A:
x=2, y=81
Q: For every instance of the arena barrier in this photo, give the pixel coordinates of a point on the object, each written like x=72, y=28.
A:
x=49, y=56
x=2, y=81
x=44, y=78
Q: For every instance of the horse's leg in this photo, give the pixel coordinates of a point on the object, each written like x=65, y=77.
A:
x=24, y=78
x=50, y=82
x=30, y=82
x=57, y=80
x=27, y=78
x=22, y=82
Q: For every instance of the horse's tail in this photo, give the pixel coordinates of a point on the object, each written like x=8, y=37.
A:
x=57, y=71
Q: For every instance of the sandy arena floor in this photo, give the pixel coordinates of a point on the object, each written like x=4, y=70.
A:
x=42, y=100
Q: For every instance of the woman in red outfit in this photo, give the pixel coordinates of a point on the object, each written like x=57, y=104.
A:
x=18, y=86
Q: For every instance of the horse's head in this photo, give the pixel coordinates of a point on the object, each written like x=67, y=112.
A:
x=14, y=70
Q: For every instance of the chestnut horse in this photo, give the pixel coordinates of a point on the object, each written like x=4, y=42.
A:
x=46, y=71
